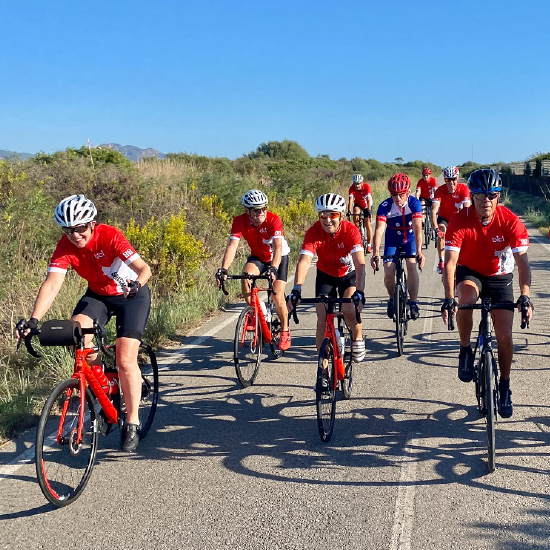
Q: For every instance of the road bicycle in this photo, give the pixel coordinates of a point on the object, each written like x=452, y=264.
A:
x=486, y=369
x=362, y=229
x=335, y=362
x=81, y=407
x=258, y=323
x=401, y=307
x=429, y=232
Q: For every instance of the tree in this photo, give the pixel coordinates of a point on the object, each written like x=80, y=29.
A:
x=399, y=160
x=283, y=150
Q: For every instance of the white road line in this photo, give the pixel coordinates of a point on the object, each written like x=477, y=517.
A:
x=404, y=506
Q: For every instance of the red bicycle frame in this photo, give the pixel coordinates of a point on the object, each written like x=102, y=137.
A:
x=84, y=374
x=337, y=359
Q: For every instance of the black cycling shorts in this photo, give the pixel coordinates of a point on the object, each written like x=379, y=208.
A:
x=497, y=287
x=427, y=203
x=327, y=285
x=366, y=211
x=131, y=315
x=282, y=272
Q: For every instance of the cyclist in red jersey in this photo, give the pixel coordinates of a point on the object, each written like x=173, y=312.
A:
x=340, y=266
x=360, y=198
x=426, y=188
x=117, y=277
x=481, y=245
x=263, y=231
x=448, y=200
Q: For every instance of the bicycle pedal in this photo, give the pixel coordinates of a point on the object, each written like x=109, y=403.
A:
x=102, y=425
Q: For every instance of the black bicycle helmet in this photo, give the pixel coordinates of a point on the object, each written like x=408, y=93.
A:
x=484, y=181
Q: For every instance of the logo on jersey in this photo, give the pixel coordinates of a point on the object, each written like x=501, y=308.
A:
x=99, y=255
x=340, y=245
x=498, y=239
x=263, y=230
x=128, y=253
x=524, y=241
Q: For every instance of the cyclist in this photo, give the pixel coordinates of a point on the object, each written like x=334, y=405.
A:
x=340, y=266
x=402, y=214
x=481, y=245
x=263, y=231
x=117, y=277
x=360, y=198
x=447, y=201
x=425, y=189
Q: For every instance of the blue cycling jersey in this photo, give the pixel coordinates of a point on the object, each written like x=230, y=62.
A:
x=399, y=220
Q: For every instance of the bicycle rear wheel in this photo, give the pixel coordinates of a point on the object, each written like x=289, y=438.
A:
x=325, y=391
x=399, y=312
x=490, y=401
x=346, y=385
x=247, y=347
x=275, y=329
x=64, y=465
x=148, y=366
x=427, y=231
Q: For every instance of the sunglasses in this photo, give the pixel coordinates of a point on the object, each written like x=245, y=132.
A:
x=77, y=229
x=329, y=215
x=399, y=194
x=481, y=196
x=449, y=180
x=258, y=210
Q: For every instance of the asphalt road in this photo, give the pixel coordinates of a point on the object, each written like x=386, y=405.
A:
x=226, y=467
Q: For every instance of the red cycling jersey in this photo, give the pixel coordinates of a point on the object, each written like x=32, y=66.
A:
x=427, y=188
x=260, y=238
x=104, y=261
x=333, y=251
x=450, y=204
x=360, y=195
x=487, y=249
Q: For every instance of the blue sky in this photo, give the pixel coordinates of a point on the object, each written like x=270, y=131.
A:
x=432, y=80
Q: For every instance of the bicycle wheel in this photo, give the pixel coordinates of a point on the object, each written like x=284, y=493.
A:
x=275, y=329
x=148, y=366
x=363, y=236
x=325, y=394
x=64, y=465
x=399, y=313
x=427, y=232
x=248, y=347
x=346, y=385
x=491, y=396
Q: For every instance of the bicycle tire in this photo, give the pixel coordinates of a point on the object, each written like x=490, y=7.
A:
x=490, y=393
x=148, y=366
x=275, y=330
x=247, y=348
x=398, y=308
x=64, y=468
x=346, y=385
x=325, y=397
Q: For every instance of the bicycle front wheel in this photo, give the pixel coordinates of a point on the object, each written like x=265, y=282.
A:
x=490, y=401
x=247, y=347
x=63, y=463
x=399, y=312
x=148, y=366
x=325, y=391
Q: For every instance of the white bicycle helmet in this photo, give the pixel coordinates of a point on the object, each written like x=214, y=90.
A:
x=357, y=178
x=74, y=210
x=450, y=172
x=254, y=199
x=330, y=202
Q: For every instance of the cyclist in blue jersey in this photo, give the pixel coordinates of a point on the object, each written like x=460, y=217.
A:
x=402, y=215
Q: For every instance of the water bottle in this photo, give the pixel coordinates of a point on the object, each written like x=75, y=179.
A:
x=101, y=377
x=112, y=377
x=340, y=341
x=266, y=311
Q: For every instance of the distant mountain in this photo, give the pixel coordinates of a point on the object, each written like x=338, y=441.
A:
x=12, y=154
x=132, y=152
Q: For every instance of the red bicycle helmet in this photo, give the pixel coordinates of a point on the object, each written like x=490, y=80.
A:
x=399, y=183
x=426, y=171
